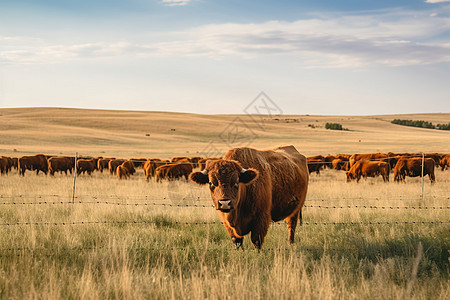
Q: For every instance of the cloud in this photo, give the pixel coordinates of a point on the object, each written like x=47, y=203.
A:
x=394, y=38
x=175, y=2
x=437, y=1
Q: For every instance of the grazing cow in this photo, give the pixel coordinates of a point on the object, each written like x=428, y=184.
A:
x=444, y=163
x=15, y=163
x=252, y=188
x=113, y=164
x=129, y=165
x=60, y=164
x=122, y=172
x=151, y=165
x=412, y=167
x=339, y=164
x=36, y=162
x=328, y=160
x=314, y=165
x=365, y=168
x=146, y=167
x=102, y=164
x=86, y=165
x=173, y=171
x=436, y=157
x=4, y=165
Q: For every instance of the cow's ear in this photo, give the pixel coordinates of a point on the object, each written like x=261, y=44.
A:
x=199, y=177
x=248, y=175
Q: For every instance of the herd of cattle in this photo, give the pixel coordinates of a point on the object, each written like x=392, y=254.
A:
x=356, y=166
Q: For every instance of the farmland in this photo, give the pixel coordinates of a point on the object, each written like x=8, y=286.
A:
x=135, y=239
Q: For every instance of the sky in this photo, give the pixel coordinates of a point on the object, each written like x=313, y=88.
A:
x=327, y=57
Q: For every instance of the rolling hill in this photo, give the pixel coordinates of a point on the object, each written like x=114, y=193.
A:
x=165, y=134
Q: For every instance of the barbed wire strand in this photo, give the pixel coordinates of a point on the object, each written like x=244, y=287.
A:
x=168, y=222
x=212, y=206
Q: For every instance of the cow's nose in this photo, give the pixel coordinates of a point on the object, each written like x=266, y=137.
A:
x=225, y=205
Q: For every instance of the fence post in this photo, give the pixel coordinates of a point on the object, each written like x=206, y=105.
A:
x=423, y=163
x=74, y=178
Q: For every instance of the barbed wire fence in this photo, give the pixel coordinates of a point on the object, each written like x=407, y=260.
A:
x=236, y=133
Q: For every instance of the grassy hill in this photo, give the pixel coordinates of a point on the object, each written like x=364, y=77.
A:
x=165, y=134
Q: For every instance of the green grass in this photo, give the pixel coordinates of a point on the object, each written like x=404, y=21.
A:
x=161, y=257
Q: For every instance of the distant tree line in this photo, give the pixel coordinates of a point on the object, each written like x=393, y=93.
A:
x=334, y=126
x=421, y=123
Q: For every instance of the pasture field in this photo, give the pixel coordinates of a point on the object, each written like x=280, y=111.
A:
x=134, y=239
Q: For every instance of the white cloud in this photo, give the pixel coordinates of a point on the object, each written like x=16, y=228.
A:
x=437, y=1
x=391, y=38
x=175, y=2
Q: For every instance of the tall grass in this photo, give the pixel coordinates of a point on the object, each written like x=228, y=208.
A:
x=162, y=257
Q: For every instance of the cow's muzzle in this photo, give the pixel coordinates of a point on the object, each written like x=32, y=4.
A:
x=225, y=205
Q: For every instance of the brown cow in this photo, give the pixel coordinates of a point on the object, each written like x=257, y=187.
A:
x=113, y=164
x=15, y=163
x=272, y=187
x=36, y=162
x=102, y=164
x=4, y=165
x=314, y=165
x=60, y=164
x=328, y=160
x=86, y=165
x=146, y=167
x=122, y=172
x=339, y=164
x=151, y=165
x=173, y=171
x=129, y=165
x=436, y=157
x=412, y=167
x=444, y=163
x=364, y=168
x=7, y=164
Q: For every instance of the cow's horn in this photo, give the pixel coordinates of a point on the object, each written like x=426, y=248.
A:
x=243, y=170
x=204, y=172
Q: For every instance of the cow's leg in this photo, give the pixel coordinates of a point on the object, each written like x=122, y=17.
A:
x=259, y=231
x=237, y=240
x=291, y=222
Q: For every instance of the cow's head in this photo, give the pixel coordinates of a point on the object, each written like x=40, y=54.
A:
x=225, y=178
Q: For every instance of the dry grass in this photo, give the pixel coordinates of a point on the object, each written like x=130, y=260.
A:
x=167, y=259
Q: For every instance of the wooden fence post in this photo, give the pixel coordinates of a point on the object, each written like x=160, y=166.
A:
x=74, y=177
